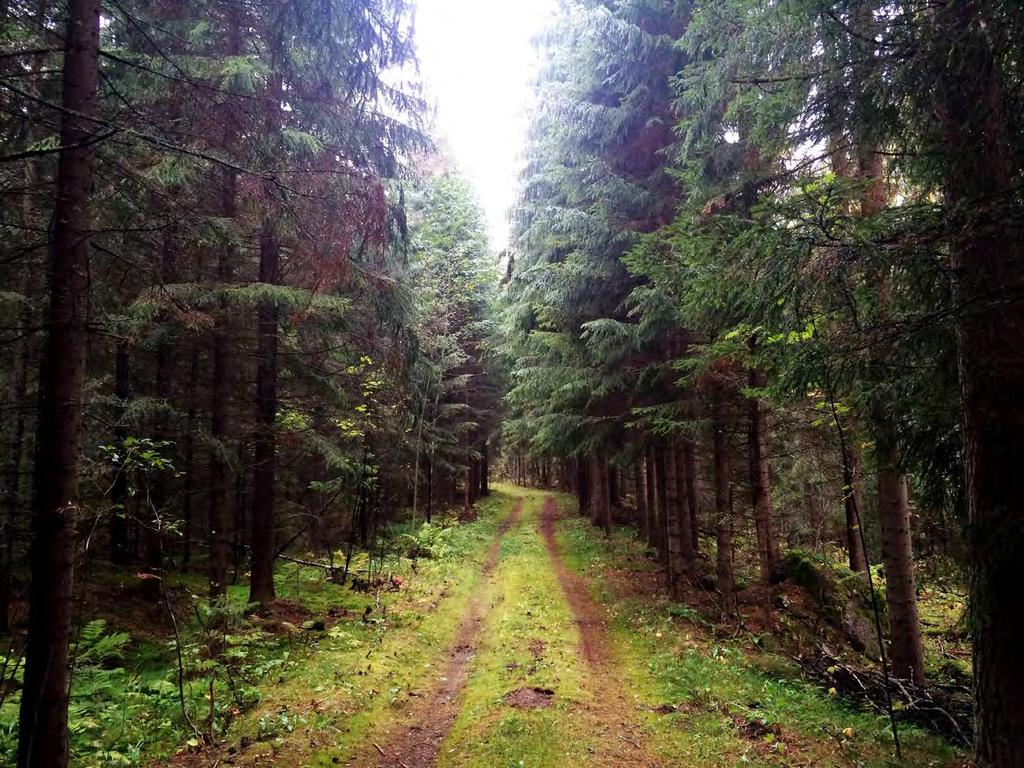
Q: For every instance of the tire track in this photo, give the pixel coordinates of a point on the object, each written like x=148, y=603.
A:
x=417, y=744
x=611, y=711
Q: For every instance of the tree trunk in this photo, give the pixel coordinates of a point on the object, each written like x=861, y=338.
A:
x=606, y=496
x=467, y=484
x=582, y=486
x=119, y=552
x=815, y=514
x=640, y=481
x=600, y=510
x=905, y=653
x=686, y=551
x=673, y=542
x=723, y=506
x=858, y=558
x=653, y=540
x=164, y=391
x=219, y=516
x=988, y=268
x=430, y=486
x=760, y=480
x=485, y=470
x=690, y=460
x=187, y=523
x=614, y=489
x=261, y=586
x=43, y=720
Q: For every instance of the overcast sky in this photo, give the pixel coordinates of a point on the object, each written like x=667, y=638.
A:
x=477, y=63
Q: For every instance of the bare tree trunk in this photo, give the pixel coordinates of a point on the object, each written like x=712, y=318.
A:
x=851, y=505
x=15, y=459
x=600, y=509
x=485, y=470
x=690, y=463
x=905, y=653
x=640, y=481
x=187, y=523
x=43, y=720
x=154, y=548
x=261, y=586
x=988, y=267
x=582, y=486
x=467, y=484
x=119, y=553
x=760, y=480
x=219, y=516
x=430, y=486
x=815, y=514
x=606, y=496
x=653, y=540
x=673, y=541
x=687, y=553
x=723, y=506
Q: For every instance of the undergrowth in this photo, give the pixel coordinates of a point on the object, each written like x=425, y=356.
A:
x=126, y=707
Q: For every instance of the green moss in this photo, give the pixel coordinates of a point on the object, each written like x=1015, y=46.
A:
x=529, y=640
x=834, y=587
x=698, y=691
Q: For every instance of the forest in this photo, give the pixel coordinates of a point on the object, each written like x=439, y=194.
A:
x=709, y=464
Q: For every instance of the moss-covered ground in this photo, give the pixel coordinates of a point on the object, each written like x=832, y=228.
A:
x=331, y=675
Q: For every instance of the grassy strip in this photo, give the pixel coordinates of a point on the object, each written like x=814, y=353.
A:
x=706, y=699
x=529, y=641
x=365, y=673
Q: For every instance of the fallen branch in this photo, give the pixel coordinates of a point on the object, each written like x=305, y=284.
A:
x=946, y=710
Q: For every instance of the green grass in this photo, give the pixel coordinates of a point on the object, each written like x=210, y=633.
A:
x=316, y=698
x=717, y=684
x=527, y=609
x=365, y=675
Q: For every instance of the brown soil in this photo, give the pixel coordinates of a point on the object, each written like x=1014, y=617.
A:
x=530, y=698
x=621, y=739
x=416, y=744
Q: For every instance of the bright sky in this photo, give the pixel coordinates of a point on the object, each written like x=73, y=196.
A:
x=477, y=62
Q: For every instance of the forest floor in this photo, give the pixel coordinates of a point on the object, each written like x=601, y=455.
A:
x=538, y=644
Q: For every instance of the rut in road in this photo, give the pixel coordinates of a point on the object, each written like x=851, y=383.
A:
x=416, y=745
x=611, y=709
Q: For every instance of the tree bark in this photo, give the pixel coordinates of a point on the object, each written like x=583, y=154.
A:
x=43, y=719
x=988, y=268
x=690, y=462
x=219, y=515
x=485, y=469
x=723, y=506
x=687, y=553
x=187, y=523
x=600, y=509
x=119, y=553
x=261, y=585
x=583, y=486
x=856, y=555
x=673, y=543
x=761, y=479
x=905, y=652
x=815, y=514
x=653, y=540
x=606, y=497
x=640, y=481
